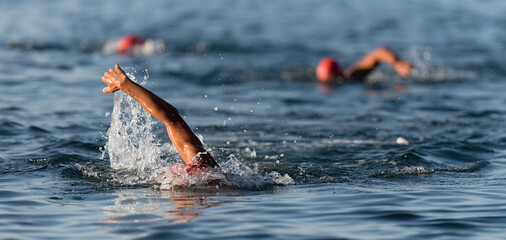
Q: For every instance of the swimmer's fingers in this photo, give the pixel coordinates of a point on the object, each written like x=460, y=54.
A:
x=111, y=87
x=107, y=79
x=113, y=78
x=407, y=67
x=402, y=71
x=107, y=90
x=116, y=73
x=118, y=69
x=403, y=68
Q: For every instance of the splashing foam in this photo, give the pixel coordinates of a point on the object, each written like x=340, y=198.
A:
x=132, y=146
x=232, y=173
x=420, y=170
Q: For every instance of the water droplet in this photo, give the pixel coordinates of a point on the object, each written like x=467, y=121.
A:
x=426, y=55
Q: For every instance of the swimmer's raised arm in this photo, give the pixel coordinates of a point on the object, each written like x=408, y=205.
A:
x=379, y=55
x=186, y=142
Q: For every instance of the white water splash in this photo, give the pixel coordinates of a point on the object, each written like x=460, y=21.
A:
x=132, y=146
x=240, y=175
x=131, y=143
x=420, y=170
x=232, y=173
x=404, y=171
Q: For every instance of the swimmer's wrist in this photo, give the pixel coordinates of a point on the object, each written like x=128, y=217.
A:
x=124, y=83
x=395, y=61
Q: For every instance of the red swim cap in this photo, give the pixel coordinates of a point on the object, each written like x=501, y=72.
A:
x=126, y=43
x=327, y=70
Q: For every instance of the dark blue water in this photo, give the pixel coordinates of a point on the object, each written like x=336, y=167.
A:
x=416, y=158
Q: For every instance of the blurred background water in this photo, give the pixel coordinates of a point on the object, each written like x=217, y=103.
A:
x=416, y=158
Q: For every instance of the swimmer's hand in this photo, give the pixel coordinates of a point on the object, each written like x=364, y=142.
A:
x=402, y=67
x=114, y=79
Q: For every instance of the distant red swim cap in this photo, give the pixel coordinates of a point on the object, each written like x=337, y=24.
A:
x=126, y=43
x=327, y=69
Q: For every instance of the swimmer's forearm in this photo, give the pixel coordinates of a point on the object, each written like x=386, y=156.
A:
x=385, y=55
x=186, y=142
x=365, y=65
x=156, y=106
x=379, y=55
x=179, y=132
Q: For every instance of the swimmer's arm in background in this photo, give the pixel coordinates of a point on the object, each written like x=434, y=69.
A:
x=186, y=142
x=379, y=55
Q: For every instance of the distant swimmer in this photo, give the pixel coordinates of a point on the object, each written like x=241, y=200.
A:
x=134, y=45
x=184, y=140
x=127, y=43
x=328, y=70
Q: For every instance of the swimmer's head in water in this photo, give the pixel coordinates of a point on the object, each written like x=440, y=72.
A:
x=126, y=43
x=328, y=70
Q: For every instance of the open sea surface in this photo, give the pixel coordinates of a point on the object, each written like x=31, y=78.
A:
x=416, y=158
